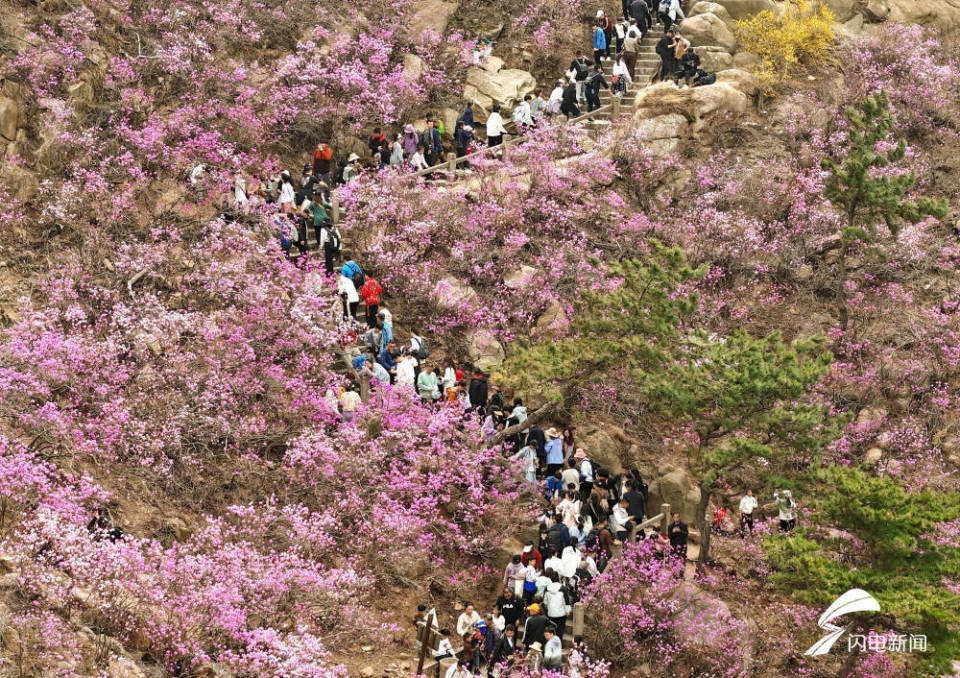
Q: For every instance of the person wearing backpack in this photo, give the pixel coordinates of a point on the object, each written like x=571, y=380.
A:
x=594, y=83
x=580, y=68
x=331, y=243
x=478, y=391
x=370, y=291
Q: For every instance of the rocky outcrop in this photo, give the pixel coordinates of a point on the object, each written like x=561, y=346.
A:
x=9, y=118
x=942, y=14
x=433, y=15
x=519, y=278
x=553, y=321
x=741, y=9
x=485, y=350
x=708, y=29
x=506, y=87
x=711, y=8
x=713, y=58
x=696, y=104
x=677, y=489
x=450, y=293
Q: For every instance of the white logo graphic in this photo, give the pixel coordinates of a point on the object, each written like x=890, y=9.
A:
x=854, y=600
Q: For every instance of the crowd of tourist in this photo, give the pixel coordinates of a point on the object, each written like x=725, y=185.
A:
x=588, y=510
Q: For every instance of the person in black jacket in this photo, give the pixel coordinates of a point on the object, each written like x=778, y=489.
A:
x=568, y=104
x=678, y=532
x=581, y=69
x=594, y=83
x=536, y=625
x=510, y=607
x=640, y=11
x=467, y=115
x=478, y=391
x=668, y=60
x=506, y=648
x=635, y=502
x=689, y=65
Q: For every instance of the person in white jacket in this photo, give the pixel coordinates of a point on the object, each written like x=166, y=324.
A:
x=468, y=620
x=622, y=73
x=552, y=649
x=406, y=373
x=417, y=161
x=556, y=606
x=495, y=128
x=348, y=294
x=522, y=115
x=556, y=99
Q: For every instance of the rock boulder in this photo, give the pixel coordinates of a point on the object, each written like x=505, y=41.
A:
x=432, y=15
x=552, y=321
x=450, y=293
x=708, y=29
x=677, y=489
x=506, y=87
x=485, y=350
x=941, y=14
x=9, y=118
x=519, y=278
x=718, y=10
x=741, y=9
x=714, y=58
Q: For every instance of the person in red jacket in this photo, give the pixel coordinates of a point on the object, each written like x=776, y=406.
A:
x=531, y=554
x=370, y=292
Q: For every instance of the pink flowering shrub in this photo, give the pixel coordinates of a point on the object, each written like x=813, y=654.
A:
x=530, y=211
x=640, y=610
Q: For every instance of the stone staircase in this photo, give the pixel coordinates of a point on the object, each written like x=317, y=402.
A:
x=647, y=64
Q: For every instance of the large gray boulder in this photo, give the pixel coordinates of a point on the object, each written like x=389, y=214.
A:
x=741, y=9
x=708, y=29
x=704, y=7
x=506, y=87
x=485, y=350
x=678, y=489
x=432, y=15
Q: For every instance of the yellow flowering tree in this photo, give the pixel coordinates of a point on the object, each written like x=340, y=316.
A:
x=801, y=34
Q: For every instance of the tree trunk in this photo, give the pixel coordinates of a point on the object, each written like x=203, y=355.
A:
x=704, y=526
x=538, y=416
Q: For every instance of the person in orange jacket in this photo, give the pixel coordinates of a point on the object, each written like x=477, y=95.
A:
x=371, y=292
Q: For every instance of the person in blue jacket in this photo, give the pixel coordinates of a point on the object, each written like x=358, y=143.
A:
x=349, y=269
x=388, y=360
x=599, y=43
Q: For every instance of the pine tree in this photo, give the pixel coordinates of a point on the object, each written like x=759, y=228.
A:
x=857, y=187
x=627, y=327
x=746, y=398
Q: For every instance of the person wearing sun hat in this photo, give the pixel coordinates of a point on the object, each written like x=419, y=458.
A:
x=534, y=659
x=554, y=449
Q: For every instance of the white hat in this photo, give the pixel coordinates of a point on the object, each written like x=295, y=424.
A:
x=353, y=156
x=527, y=548
x=599, y=13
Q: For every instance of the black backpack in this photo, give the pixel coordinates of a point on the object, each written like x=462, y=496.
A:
x=422, y=351
x=582, y=69
x=358, y=279
x=333, y=237
x=706, y=79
